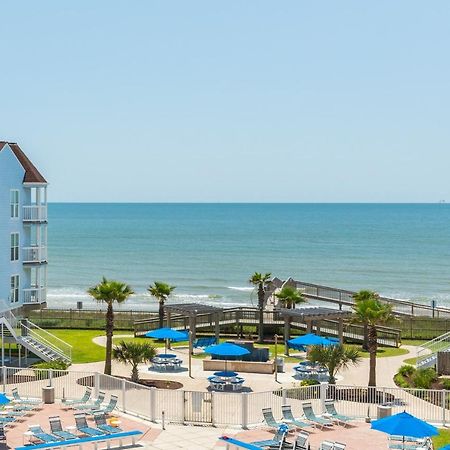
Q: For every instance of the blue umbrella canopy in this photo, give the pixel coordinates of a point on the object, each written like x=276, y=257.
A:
x=166, y=333
x=4, y=400
x=226, y=349
x=311, y=339
x=404, y=424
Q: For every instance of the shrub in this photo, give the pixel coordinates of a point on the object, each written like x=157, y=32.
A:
x=309, y=382
x=400, y=381
x=406, y=370
x=446, y=384
x=56, y=365
x=423, y=378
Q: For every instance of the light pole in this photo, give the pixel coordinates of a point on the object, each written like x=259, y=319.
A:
x=276, y=355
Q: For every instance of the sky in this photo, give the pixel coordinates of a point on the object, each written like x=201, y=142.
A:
x=230, y=101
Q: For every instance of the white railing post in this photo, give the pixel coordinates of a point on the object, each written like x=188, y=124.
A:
x=213, y=396
x=323, y=395
x=284, y=397
x=244, y=410
x=96, y=384
x=50, y=377
x=444, y=397
x=153, y=404
x=4, y=375
x=124, y=391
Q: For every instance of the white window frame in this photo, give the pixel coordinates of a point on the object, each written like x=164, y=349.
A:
x=14, y=200
x=14, y=288
x=15, y=247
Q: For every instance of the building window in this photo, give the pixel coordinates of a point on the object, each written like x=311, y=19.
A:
x=14, y=200
x=14, y=246
x=14, y=295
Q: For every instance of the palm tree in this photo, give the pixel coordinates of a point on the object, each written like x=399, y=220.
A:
x=261, y=281
x=373, y=312
x=334, y=358
x=134, y=354
x=290, y=296
x=161, y=291
x=110, y=292
x=360, y=296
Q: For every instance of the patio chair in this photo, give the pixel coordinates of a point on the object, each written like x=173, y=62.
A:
x=289, y=417
x=277, y=441
x=331, y=409
x=109, y=407
x=270, y=420
x=57, y=429
x=318, y=421
x=95, y=405
x=84, y=428
x=24, y=401
x=327, y=445
x=339, y=446
x=6, y=420
x=82, y=401
x=40, y=434
x=2, y=433
x=101, y=424
x=302, y=441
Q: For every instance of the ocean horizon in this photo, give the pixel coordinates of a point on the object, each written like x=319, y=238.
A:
x=209, y=250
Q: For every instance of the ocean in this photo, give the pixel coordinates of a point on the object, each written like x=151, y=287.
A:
x=208, y=251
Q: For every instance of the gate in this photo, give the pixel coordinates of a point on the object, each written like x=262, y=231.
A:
x=198, y=407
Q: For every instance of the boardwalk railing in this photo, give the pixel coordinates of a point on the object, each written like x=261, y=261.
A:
x=250, y=316
x=344, y=298
x=229, y=409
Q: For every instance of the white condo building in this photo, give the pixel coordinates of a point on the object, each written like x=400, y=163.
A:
x=23, y=254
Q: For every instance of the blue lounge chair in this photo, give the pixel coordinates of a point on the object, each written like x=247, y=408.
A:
x=110, y=407
x=84, y=428
x=100, y=422
x=277, y=440
x=40, y=434
x=318, y=421
x=95, y=405
x=24, y=401
x=289, y=417
x=271, y=422
x=57, y=429
x=82, y=401
x=331, y=409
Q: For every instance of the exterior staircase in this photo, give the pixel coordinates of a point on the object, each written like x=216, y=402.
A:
x=38, y=341
x=427, y=353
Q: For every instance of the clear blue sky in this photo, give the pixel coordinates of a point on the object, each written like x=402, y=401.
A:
x=302, y=101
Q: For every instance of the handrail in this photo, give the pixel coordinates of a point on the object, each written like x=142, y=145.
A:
x=65, y=352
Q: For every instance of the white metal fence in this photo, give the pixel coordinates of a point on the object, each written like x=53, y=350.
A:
x=222, y=408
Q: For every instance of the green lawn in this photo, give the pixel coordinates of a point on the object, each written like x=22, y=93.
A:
x=442, y=439
x=384, y=352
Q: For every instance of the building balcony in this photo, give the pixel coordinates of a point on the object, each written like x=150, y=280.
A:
x=35, y=213
x=34, y=295
x=34, y=255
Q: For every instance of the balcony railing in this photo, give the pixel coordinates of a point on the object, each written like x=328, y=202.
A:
x=35, y=213
x=34, y=295
x=34, y=254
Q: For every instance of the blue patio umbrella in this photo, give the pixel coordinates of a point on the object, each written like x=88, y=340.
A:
x=311, y=339
x=404, y=424
x=166, y=333
x=4, y=400
x=226, y=349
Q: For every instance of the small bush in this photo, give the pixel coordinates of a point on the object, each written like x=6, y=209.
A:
x=446, y=383
x=56, y=365
x=400, y=381
x=406, y=370
x=423, y=378
x=309, y=382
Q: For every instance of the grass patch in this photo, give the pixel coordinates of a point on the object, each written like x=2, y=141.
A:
x=411, y=361
x=442, y=439
x=383, y=352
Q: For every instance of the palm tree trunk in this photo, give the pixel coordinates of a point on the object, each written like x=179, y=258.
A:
x=109, y=336
x=373, y=347
x=365, y=345
x=135, y=374
x=161, y=313
x=261, y=311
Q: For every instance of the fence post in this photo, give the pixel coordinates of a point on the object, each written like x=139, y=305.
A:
x=4, y=374
x=444, y=398
x=244, y=410
x=323, y=395
x=283, y=396
x=96, y=384
x=124, y=390
x=50, y=377
x=153, y=404
x=213, y=396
